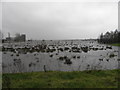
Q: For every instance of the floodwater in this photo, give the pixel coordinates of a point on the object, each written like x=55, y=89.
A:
x=101, y=59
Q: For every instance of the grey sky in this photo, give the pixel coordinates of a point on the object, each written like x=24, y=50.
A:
x=59, y=20
x=0, y=16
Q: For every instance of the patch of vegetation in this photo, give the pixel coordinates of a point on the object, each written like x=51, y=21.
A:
x=63, y=58
x=85, y=49
x=51, y=55
x=0, y=49
x=57, y=79
x=78, y=57
x=0, y=80
x=112, y=55
x=117, y=44
x=74, y=57
x=110, y=37
x=67, y=61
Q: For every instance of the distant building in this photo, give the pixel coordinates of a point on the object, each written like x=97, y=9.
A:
x=0, y=36
x=23, y=37
x=18, y=38
x=8, y=38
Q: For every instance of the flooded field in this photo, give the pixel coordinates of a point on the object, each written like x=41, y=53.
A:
x=64, y=55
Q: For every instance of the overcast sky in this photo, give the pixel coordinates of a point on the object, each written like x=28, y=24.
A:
x=59, y=20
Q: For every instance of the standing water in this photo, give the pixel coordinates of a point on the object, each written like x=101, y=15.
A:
x=66, y=55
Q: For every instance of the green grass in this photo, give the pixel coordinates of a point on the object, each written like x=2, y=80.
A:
x=0, y=80
x=56, y=79
x=117, y=44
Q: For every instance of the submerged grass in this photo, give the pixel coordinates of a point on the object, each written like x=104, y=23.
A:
x=56, y=79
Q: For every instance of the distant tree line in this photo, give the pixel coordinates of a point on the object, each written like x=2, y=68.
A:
x=110, y=37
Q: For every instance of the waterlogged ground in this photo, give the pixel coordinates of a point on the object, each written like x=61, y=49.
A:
x=64, y=55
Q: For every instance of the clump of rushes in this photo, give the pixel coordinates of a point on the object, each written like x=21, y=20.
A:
x=100, y=59
x=17, y=54
x=67, y=61
x=112, y=55
x=11, y=54
x=4, y=53
x=84, y=49
x=74, y=57
x=30, y=64
x=78, y=57
x=107, y=60
x=118, y=59
x=37, y=61
x=51, y=55
x=65, y=57
x=61, y=58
